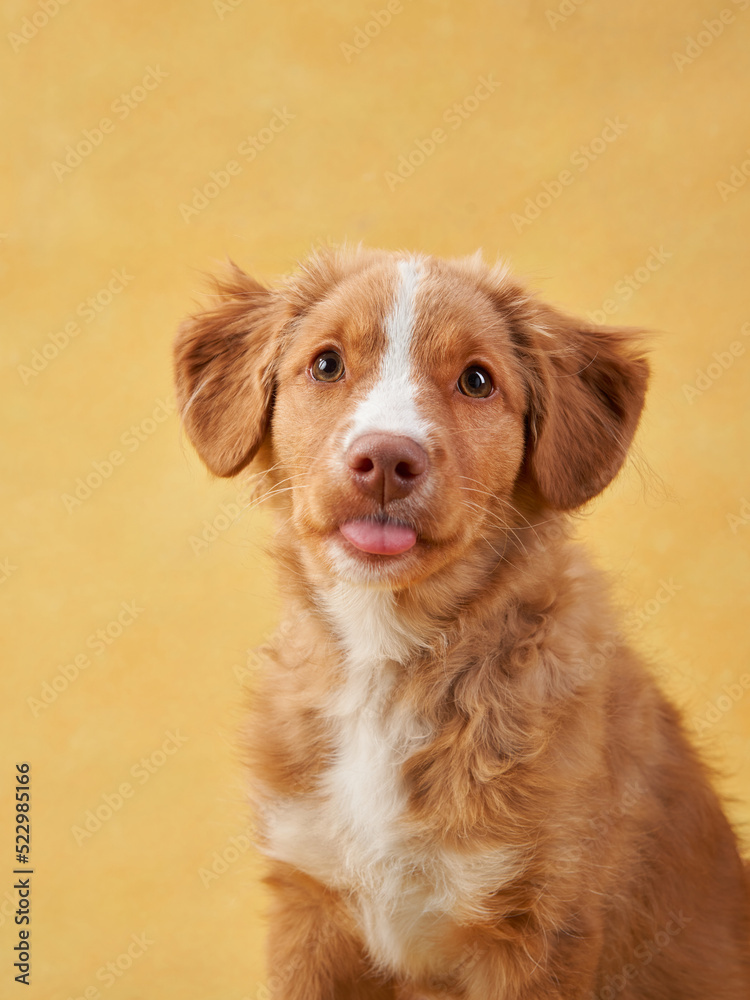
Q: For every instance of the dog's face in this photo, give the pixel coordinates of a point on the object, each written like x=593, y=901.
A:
x=399, y=412
x=409, y=408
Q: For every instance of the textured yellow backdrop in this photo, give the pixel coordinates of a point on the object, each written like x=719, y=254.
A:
x=598, y=145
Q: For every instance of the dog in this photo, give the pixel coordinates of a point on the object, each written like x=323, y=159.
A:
x=467, y=785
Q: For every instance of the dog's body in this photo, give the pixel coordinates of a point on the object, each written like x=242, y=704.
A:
x=467, y=784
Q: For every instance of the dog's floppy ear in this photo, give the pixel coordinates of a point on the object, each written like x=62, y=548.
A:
x=224, y=359
x=586, y=390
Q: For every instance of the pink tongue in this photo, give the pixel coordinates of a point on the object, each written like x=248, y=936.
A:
x=380, y=537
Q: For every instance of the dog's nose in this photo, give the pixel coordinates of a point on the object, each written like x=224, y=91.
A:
x=386, y=466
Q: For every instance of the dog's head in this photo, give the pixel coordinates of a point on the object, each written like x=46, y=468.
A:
x=409, y=407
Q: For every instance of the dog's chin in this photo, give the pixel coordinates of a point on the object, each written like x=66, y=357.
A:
x=398, y=562
x=391, y=571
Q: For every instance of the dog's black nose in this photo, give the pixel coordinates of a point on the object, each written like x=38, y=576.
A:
x=386, y=466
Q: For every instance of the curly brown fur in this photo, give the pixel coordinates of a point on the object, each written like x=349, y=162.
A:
x=467, y=784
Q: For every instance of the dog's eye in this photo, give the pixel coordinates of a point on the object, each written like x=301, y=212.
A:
x=327, y=367
x=475, y=382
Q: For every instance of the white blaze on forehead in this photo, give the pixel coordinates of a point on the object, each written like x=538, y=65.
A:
x=390, y=406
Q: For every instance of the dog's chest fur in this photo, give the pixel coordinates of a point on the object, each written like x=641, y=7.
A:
x=352, y=834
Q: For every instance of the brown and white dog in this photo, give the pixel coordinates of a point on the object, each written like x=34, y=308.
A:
x=468, y=785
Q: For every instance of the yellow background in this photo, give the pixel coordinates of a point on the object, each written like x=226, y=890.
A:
x=223, y=72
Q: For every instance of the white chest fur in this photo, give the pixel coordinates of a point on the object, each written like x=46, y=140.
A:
x=351, y=834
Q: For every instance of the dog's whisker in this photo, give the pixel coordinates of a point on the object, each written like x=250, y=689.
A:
x=528, y=526
x=499, y=523
x=258, y=501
